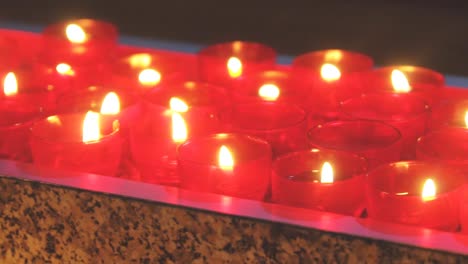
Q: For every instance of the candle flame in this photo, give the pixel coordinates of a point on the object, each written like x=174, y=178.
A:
x=111, y=104
x=149, y=77
x=234, y=66
x=225, y=158
x=429, y=190
x=10, y=84
x=269, y=92
x=91, y=131
x=466, y=119
x=400, y=82
x=75, y=34
x=64, y=69
x=178, y=105
x=326, y=174
x=179, y=128
x=141, y=60
x=330, y=72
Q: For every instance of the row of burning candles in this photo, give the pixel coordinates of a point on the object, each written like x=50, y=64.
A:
x=348, y=129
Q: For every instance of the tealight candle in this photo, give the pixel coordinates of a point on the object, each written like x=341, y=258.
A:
x=415, y=193
x=282, y=125
x=228, y=164
x=329, y=77
x=446, y=144
x=164, y=121
x=80, y=40
x=453, y=113
x=270, y=85
x=141, y=71
x=406, y=112
x=222, y=63
x=77, y=142
x=376, y=141
x=407, y=79
x=320, y=179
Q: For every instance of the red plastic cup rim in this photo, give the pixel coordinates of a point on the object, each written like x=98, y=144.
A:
x=244, y=50
x=315, y=59
x=430, y=76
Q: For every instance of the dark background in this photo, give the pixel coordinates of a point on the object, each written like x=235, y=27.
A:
x=427, y=33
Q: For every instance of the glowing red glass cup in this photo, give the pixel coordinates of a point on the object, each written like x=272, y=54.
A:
x=282, y=125
x=142, y=71
x=244, y=170
x=222, y=63
x=270, y=85
x=415, y=193
x=87, y=46
x=57, y=142
x=81, y=40
x=448, y=144
x=301, y=179
x=166, y=119
x=406, y=112
x=376, y=141
x=452, y=113
x=407, y=79
x=329, y=77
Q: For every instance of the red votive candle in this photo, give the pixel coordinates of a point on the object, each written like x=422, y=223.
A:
x=449, y=144
x=222, y=63
x=282, y=125
x=406, y=112
x=165, y=120
x=415, y=193
x=9, y=52
x=66, y=142
x=329, y=77
x=376, y=141
x=228, y=164
x=270, y=85
x=81, y=40
x=407, y=79
x=453, y=113
x=142, y=71
x=325, y=180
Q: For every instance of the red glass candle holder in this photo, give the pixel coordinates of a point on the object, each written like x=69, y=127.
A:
x=453, y=113
x=422, y=81
x=464, y=209
x=376, y=141
x=82, y=40
x=222, y=63
x=14, y=132
x=297, y=181
x=448, y=144
x=395, y=194
x=282, y=125
x=9, y=53
x=56, y=142
x=331, y=76
x=152, y=141
x=141, y=71
x=406, y=112
x=248, y=177
x=270, y=85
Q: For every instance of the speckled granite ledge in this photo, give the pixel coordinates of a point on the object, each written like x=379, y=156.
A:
x=42, y=223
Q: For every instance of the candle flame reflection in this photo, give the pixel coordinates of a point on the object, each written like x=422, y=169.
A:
x=10, y=84
x=140, y=60
x=330, y=72
x=75, y=34
x=400, y=82
x=111, y=104
x=149, y=77
x=178, y=105
x=466, y=119
x=234, y=66
x=326, y=174
x=91, y=130
x=429, y=190
x=225, y=158
x=269, y=92
x=179, y=128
